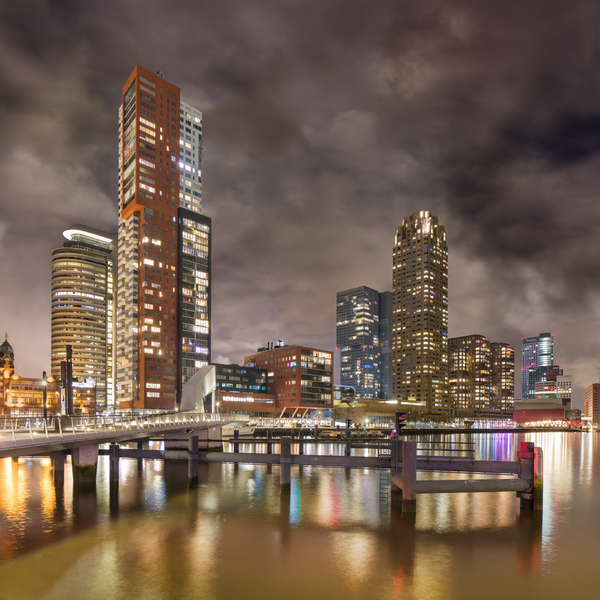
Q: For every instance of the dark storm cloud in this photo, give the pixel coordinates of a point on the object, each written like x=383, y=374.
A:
x=324, y=124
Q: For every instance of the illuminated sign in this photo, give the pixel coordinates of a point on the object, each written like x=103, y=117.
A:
x=245, y=399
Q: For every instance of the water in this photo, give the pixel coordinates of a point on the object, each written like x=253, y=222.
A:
x=332, y=536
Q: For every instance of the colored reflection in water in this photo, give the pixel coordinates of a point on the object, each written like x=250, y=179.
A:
x=333, y=534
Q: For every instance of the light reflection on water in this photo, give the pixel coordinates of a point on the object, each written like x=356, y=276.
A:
x=331, y=535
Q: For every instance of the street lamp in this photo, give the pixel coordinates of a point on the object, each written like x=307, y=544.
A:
x=45, y=382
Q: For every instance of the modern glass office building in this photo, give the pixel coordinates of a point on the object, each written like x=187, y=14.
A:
x=363, y=336
x=538, y=355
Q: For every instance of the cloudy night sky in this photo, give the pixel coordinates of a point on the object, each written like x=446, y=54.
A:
x=325, y=123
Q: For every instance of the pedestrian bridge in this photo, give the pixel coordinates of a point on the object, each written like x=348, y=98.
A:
x=28, y=437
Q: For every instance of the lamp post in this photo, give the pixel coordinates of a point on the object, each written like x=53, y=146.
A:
x=45, y=382
x=44, y=387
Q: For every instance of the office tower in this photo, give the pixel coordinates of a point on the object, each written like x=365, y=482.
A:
x=83, y=311
x=564, y=388
x=503, y=376
x=299, y=376
x=481, y=376
x=420, y=313
x=590, y=402
x=385, y=342
x=363, y=335
x=538, y=354
x=163, y=308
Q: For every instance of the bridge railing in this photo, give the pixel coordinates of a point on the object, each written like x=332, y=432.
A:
x=26, y=432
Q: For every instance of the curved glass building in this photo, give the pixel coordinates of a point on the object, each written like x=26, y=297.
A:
x=83, y=310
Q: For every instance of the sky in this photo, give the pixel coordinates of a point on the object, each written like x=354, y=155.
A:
x=325, y=122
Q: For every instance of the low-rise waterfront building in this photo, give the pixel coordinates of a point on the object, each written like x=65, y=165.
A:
x=24, y=396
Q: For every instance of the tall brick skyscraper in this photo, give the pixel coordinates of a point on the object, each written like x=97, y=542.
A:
x=420, y=313
x=163, y=293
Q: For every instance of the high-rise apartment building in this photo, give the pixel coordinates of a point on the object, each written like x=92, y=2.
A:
x=420, y=313
x=590, y=401
x=363, y=335
x=502, y=394
x=83, y=310
x=538, y=355
x=470, y=374
x=481, y=376
x=163, y=307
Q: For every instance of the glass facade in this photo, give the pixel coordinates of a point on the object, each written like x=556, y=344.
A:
x=363, y=335
x=538, y=355
x=194, y=293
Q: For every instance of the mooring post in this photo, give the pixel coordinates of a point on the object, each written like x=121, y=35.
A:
x=300, y=444
x=395, y=461
x=269, y=444
x=193, y=461
x=236, y=436
x=409, y=476
x=538, y=479
x=526, y=460
x=285, y=460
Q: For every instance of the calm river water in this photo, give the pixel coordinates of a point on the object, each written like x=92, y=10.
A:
x=333, y=535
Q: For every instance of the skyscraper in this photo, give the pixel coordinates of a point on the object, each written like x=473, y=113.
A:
x=83, y=309
x=163, y=308
x=538, y=355
x=420, y=313
x=363, y=335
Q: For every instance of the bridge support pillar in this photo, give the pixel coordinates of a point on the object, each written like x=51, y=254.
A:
x=113, y=482
x=84, y=461
x=409, y=476
x=58, y=468
x=395, y=461
x=286, y=462
x=113, y=459
x=193, y=461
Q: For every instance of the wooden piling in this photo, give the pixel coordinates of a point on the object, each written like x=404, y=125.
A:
x=526, y=460
x=538, y=479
